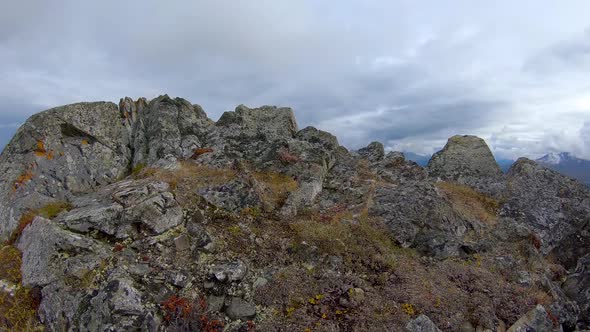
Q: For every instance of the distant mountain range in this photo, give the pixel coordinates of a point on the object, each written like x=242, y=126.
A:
x=567, y=164
x=563, y=162
x=419, y=159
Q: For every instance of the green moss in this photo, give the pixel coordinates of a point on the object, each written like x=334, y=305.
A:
x=137, y=169
x=10, y=260
x=17, y=311
x=52, y=210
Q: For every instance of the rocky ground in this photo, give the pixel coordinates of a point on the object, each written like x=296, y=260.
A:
x=148, y=215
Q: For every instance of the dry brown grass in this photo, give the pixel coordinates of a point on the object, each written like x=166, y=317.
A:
x=194, y=175
x=275, y=187
x=17, y=310
x=470, y=203
x=48, y=211
x=278, y=186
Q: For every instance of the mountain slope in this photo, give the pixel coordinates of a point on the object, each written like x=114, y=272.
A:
x=567, y=164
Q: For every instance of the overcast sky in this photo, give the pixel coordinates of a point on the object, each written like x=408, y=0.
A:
x=408, y=73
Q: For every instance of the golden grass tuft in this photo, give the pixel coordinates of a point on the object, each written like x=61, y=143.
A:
x=279, y=186
x=364, y=246
x=17, y=310
x=470, y=203
x=10, y=260
x=48, y=211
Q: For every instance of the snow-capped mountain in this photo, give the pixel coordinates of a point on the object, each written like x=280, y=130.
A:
x=567, y=164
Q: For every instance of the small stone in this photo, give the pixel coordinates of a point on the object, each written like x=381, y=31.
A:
x=467, y=327
x=260, y=282
x=234, y=271
x=178, y=279
x=240, y=309
x=183, y=242
x=524, y=278
x=357, y=295
x=215, y=303
x=421, y=324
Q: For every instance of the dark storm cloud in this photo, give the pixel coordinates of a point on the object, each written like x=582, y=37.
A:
x=403, y=72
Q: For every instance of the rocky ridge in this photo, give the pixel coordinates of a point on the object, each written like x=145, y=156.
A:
x=148, y=215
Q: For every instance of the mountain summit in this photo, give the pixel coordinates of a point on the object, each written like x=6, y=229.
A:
x=148, y=215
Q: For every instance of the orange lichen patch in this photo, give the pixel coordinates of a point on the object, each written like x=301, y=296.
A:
x=201, y=151
x=22, y=179
x=23, y=222
x=40, y=146
x=84, y=142
x=40, y=151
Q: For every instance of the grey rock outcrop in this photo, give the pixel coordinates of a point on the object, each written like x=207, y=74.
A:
x=468, y=160
x=554, y=207
x=56, y=153
x=421, y=324
x=268, y=121
x=577, y=287
x=124, y=208
x=133, y=240
x=538, y=319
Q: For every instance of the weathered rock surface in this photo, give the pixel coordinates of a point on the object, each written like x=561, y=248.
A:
x=537, y=319
x=177, y=222
x=56, y=153
x=556, y=208
x=421, y=324
x=467, y=160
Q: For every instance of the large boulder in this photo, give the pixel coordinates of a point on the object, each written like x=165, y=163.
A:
x=64, y=150
x=554, y=207
x=577, y=287
x=165, y=127
x=421, y=324
x=467, y=160
x=269, y=121
x=125, y=209
x=538, y=319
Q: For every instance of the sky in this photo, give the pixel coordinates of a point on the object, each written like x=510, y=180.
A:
x=408, y=73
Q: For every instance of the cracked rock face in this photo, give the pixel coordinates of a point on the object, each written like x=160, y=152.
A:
x=167, y=204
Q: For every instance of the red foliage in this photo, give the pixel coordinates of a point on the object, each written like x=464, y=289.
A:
x=536, y=241
x=201, y=151
x=24, y=221
x=287, y=157
x=203, y=304
x=251, y=326
x=208, y=325
x=552, y=318
x=176, y=307
x=118, y=247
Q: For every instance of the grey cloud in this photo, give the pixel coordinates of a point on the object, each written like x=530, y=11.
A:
x=407, y=73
